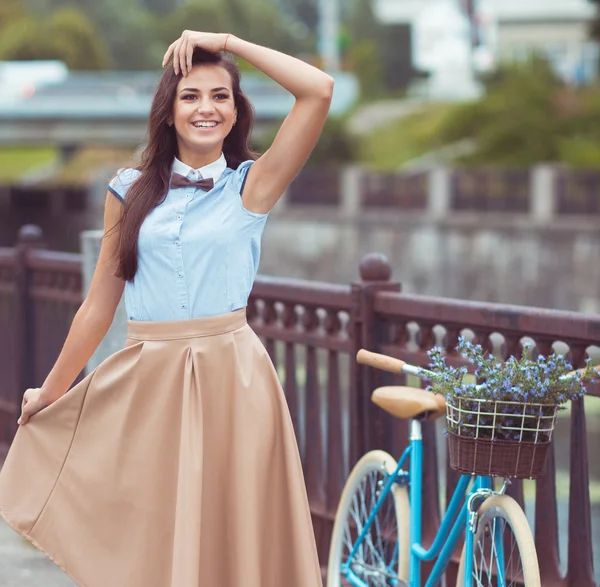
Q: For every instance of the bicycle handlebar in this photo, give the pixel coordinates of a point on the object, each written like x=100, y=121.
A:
x=393, y=365
x=379, y=361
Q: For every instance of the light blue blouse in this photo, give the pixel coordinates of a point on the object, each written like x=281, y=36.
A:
x=198, y=252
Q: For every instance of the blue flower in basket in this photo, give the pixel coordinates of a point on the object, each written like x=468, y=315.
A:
x=515, y=399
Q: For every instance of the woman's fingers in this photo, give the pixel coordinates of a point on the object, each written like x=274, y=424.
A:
x=168, y=53
x=189, y=54
x=183, y=49
x=25, y=413
x=24, y=402
x=32, y=403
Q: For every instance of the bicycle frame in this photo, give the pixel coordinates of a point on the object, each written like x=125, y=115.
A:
x=455, y=520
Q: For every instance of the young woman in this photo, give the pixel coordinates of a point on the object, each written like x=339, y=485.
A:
x=174, y=464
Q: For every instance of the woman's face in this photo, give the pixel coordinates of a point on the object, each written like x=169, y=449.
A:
x=204, y=111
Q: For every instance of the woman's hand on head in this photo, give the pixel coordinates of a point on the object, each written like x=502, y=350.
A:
x=183, y=48
x=34, y=401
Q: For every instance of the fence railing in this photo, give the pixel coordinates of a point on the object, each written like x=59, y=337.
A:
x=312, y=332
x=40, y=292
x=542, y=192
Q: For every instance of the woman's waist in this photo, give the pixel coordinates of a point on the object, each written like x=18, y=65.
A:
x=186, y=328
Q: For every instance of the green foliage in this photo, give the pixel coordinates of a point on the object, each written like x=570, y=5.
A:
x=263, y=23
x=136, y=33
x=335, y=146
x=22, y=38
x=304, y=10
x=76, y=40
x=15, y=162
x=364, y=49
x=515, y=399
x=10, y=10
x=363, y=57
x=527, y=116
x=68, y=35
x=401, y=140
x=515, y=123
x=193, y=17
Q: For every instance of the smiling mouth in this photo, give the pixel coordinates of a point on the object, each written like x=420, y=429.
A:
x=205, y=124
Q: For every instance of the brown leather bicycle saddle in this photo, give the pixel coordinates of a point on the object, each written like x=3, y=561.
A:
x=409, y=402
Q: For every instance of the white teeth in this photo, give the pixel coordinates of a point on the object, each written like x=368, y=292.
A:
x=205, y=124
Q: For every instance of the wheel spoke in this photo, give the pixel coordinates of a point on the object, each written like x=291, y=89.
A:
x=376, y=559
x=497, y=557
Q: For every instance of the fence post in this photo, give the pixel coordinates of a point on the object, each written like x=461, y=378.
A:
x=351, y=191
x=29, y=237
x=366, y=332
x=542, y=194
x=439, y=193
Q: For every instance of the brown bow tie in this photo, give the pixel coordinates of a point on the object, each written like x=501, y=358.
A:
x=180, y=181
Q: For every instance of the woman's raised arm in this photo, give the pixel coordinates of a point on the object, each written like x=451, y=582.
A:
x=271, y=174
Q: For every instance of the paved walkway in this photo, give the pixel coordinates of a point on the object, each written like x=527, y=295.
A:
x=21, y=565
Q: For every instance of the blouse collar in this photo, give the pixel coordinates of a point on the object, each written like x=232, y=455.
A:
x=213, y=170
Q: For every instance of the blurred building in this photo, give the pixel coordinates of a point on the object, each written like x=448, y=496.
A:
x=516, y=29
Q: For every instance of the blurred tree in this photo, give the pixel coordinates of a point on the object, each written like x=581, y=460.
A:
x=76, y=40
x=127, y=27
x=160, y=7
x=336, y=146
x=528, y=116
x=136, y=33
x=264, y=23
x=23, y=38
x=10, y=10
x=305, y=11
x=378, y=54
x=362, y=23
x=69, y=36
x=363, y=59
x=206, y=16
x=259, y=21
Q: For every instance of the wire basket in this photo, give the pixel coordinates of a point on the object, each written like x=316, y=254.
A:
x=499, y=438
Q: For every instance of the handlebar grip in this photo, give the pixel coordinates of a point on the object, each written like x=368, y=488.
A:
x=379, y=361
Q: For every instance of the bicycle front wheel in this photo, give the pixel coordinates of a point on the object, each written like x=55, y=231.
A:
x=381, y=558
x=503, y=547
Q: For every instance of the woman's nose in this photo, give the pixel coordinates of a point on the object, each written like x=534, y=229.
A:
x=205, y=106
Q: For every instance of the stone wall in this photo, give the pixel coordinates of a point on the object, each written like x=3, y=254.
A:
x=537, y=258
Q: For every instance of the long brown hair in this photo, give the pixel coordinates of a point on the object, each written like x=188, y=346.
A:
x=150, y=189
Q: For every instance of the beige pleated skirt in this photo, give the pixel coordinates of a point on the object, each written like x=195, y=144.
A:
x=173, y=464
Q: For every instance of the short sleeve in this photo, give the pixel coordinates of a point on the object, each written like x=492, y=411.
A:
x=240, y=175
x=119, y=185
x=239, y=181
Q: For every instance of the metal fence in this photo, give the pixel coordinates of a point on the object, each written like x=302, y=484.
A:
x=312, y=332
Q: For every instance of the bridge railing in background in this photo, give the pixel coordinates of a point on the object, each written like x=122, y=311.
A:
x=312, y=332
x=543, y=192
x=40, y=292
x=577, y=191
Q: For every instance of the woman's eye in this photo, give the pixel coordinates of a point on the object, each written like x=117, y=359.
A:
x=187, y=96
x=222, y=96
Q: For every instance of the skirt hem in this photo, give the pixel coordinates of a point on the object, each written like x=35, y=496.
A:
x=37, y=545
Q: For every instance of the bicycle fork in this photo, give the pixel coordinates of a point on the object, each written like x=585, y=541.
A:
x=475, y=499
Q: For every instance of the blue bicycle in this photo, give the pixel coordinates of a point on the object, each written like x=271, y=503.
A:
x=376, y=540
